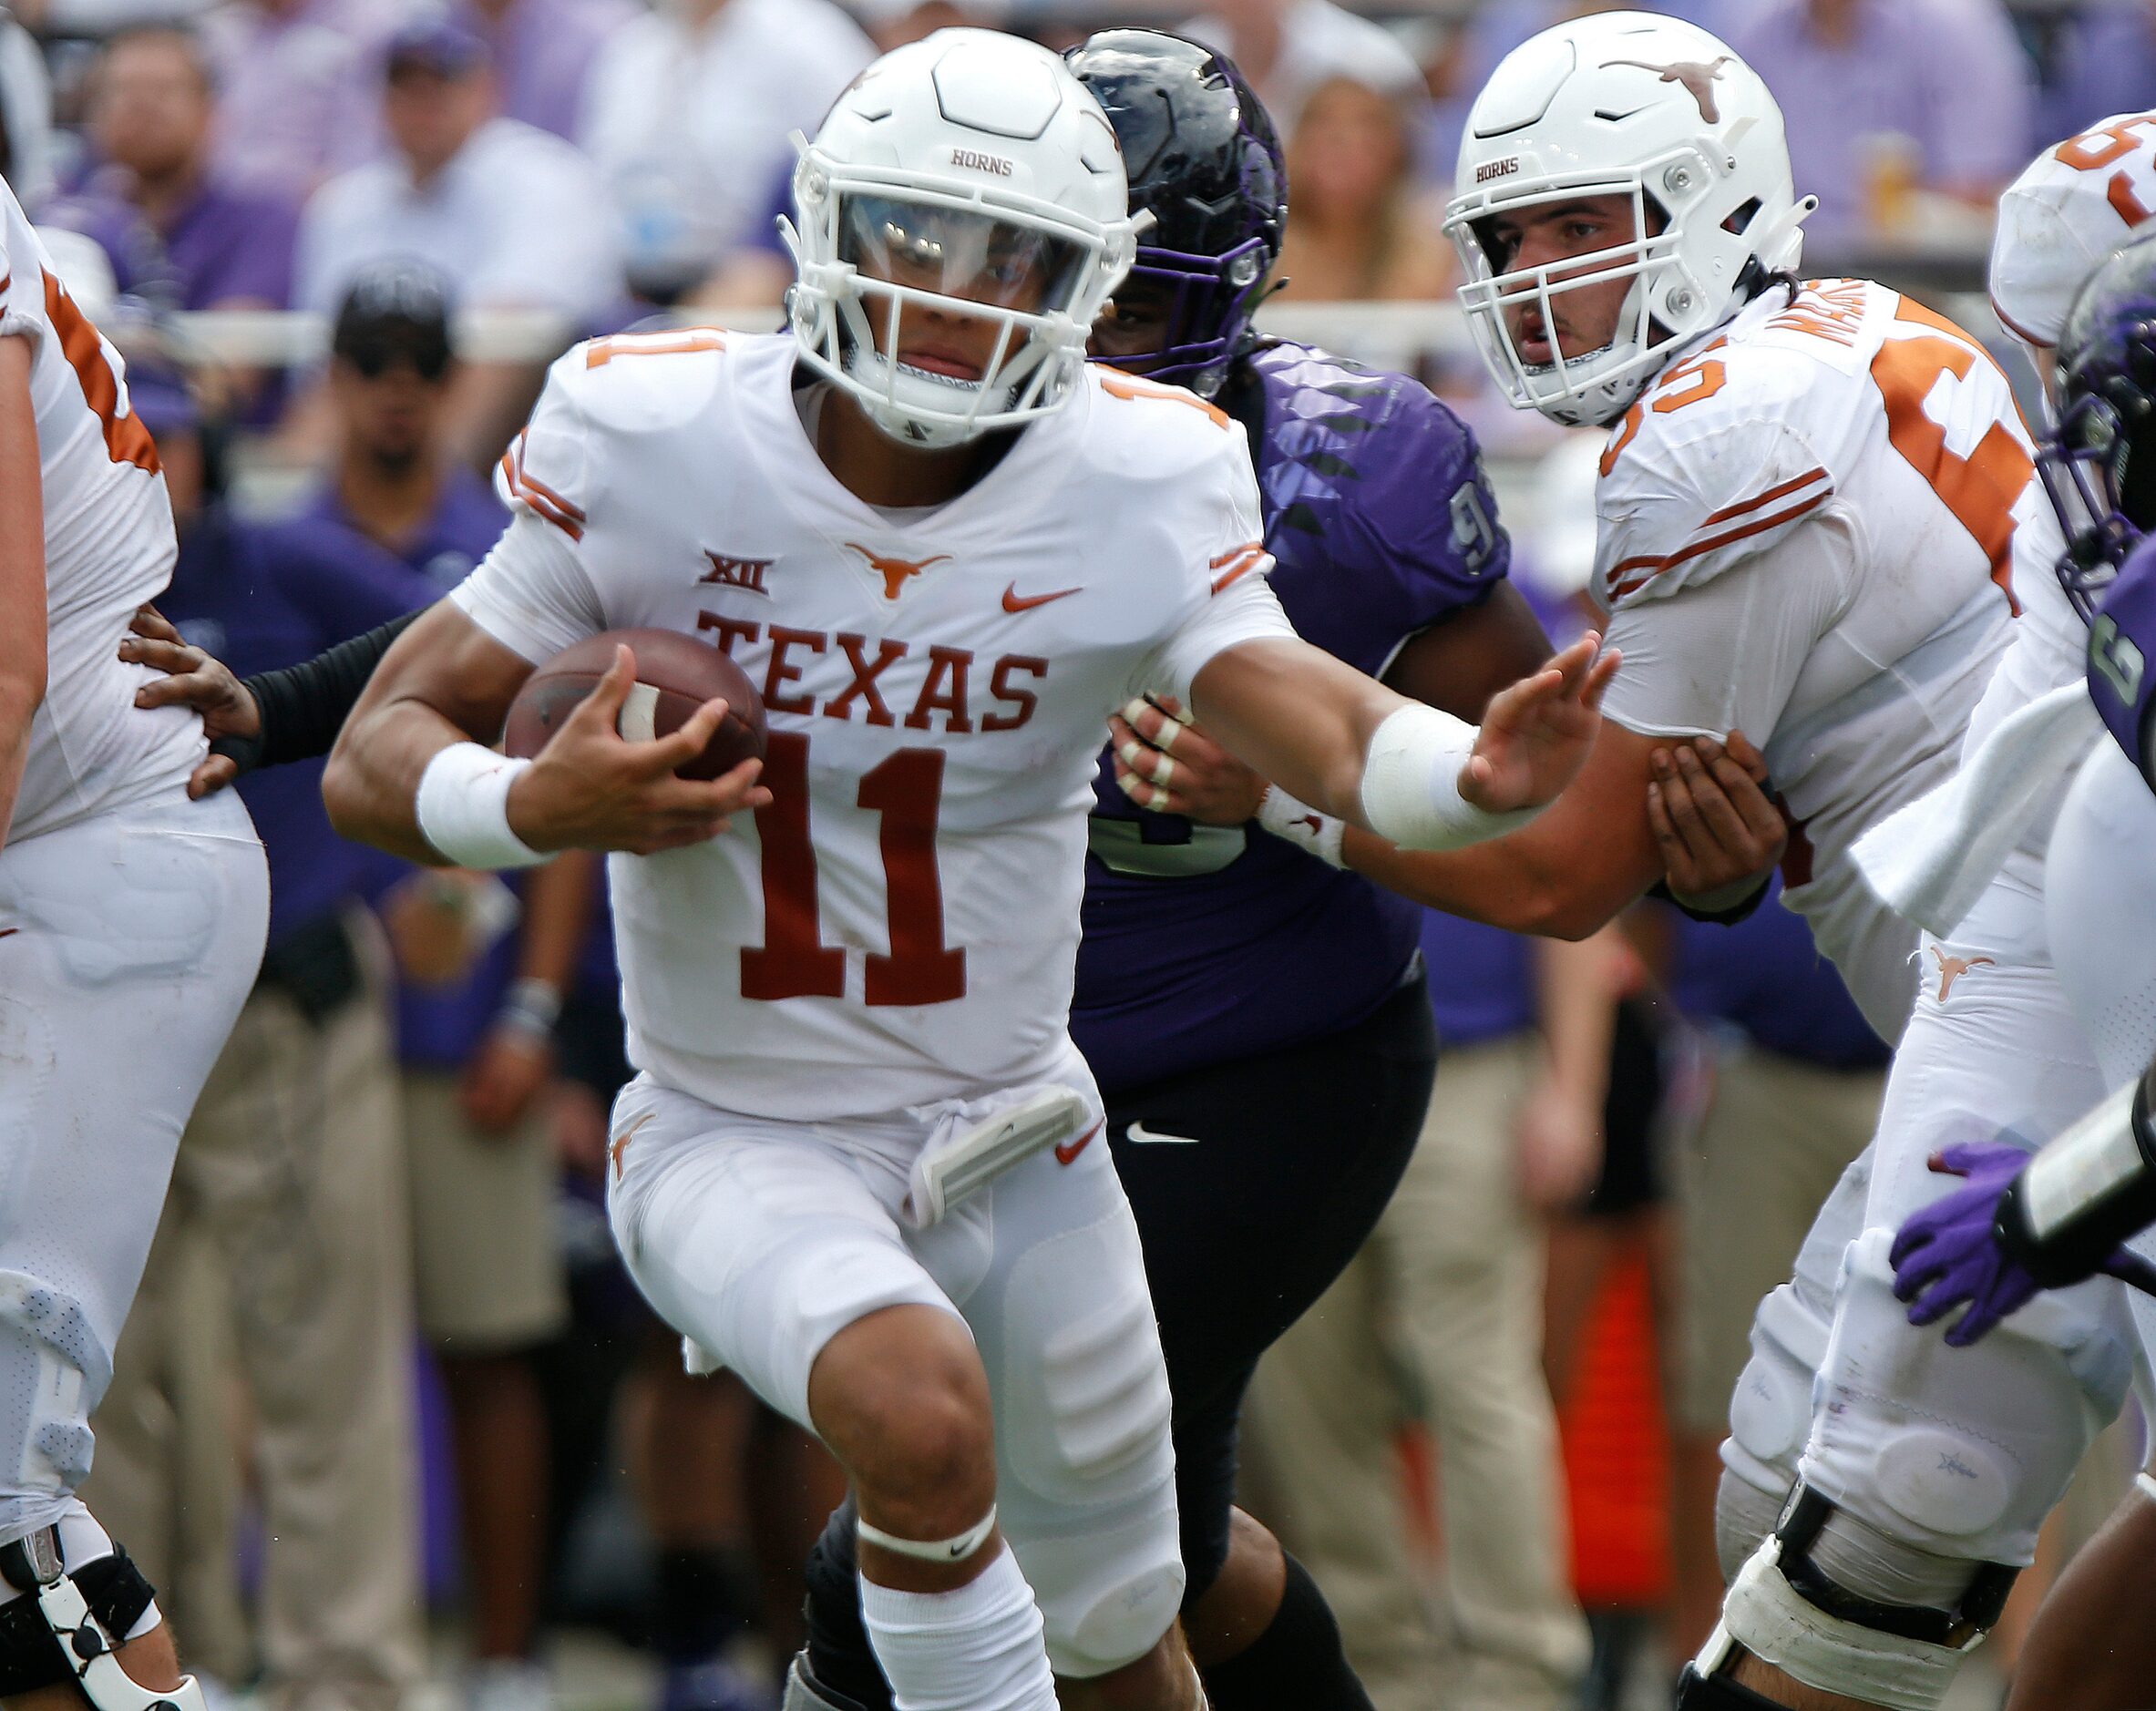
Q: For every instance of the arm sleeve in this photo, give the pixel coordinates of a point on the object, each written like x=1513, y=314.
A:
x=305, y=706
x=1723, y=655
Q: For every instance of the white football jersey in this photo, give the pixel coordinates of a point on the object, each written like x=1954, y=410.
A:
x=900, y=925
x=1816, y=530
x=2074, y=205
x=108, y=547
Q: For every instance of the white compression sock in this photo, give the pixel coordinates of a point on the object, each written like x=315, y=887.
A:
x=975, y=1649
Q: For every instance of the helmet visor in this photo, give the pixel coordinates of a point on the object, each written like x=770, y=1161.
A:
x=967, y=253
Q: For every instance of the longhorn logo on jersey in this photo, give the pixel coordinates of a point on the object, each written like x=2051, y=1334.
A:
x=1697, y=80
x=896, y=572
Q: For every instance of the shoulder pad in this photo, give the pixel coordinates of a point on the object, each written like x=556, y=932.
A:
x=2074, y=205
x=1374, y=471
x=599, y=394
x=1711, y=466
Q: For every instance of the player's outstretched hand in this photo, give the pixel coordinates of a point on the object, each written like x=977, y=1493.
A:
x=1168, y=764
x=194, y=680
x=1536, y=733
x=592, y=788
x=1718, y=829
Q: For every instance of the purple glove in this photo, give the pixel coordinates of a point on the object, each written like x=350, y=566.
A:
x=1945, y=1253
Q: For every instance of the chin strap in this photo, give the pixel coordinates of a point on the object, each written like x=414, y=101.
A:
x=32, y=1566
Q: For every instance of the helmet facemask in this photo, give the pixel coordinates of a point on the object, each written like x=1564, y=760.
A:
x=2088, y=471
x=990, y=295
x=1663, y=306
x=1209, y=302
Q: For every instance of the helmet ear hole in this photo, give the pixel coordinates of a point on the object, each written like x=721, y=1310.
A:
x=1739, y=223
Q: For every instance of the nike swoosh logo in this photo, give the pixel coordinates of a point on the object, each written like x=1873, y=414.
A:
x=1013, y=601
x=1072, y=1149
x=1144, y=1136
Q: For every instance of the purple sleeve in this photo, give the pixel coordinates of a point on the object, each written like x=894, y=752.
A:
x=347, y=583
x=2121, y=648
x=1980, y=90
x=1424, y=524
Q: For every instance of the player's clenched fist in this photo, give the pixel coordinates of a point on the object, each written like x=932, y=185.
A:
x=592, y=788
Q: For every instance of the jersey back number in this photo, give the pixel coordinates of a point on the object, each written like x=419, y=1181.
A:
x=1980, y=489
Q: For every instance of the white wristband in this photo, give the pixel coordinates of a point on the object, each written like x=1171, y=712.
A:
x=463, y=808
x=1410, y=784
x=1298, y=823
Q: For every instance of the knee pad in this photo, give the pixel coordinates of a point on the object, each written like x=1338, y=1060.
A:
x=1771, y=1408
x=1961, y=1452
x=1788, y=1609
x=1107, y=1596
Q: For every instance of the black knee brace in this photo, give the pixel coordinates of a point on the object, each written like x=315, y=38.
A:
x=1297, y=1665
x=30, y=1654
x=840, y=1660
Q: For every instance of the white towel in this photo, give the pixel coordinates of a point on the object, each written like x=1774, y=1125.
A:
x=1930, y=859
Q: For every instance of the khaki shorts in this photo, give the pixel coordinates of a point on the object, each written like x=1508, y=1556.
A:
x=486, y=1263
x=1772, y=1144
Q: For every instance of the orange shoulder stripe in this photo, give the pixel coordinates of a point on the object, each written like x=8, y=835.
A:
x=1653, y=567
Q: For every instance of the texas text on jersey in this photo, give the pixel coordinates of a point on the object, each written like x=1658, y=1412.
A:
x=935, y=687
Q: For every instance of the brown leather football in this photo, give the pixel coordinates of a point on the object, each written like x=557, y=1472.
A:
x=675, y=675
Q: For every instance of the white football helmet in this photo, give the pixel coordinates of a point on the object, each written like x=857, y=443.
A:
x=1636, y=105
x=965, y=177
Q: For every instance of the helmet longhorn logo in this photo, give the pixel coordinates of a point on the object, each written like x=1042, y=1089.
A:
x=1697, y=80
x=896, y=572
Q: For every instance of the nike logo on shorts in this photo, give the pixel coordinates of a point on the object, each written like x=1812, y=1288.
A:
x=1072, y=1149
x=1143, y=1136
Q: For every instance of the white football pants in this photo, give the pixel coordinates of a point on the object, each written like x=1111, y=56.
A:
x=128, y=943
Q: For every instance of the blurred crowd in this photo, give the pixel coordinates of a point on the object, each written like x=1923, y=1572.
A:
x=404, y=1145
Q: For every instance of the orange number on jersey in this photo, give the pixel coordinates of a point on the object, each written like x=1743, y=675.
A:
x=1980, y=489
x=127, y=441
x=1687, y=383
x=1118, y=384
x=906, y=790
x=1691, y=383
x=601, y=351
x=2093, y=151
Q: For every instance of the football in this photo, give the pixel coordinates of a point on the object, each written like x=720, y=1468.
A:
x=674, y=676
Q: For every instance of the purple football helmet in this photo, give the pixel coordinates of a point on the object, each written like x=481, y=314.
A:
x=2098, y=462
x=1202, y=156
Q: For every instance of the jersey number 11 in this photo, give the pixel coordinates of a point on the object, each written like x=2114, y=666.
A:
x=905, y=789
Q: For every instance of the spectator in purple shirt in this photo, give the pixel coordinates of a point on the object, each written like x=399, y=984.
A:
x=151, y=118
x=1876, y=93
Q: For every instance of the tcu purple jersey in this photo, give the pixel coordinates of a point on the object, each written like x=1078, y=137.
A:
x=2121, y=644
x=1203, y=943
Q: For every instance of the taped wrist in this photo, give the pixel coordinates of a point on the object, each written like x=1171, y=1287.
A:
x=2086, y=1192
x=463, y=808
x=303, y=706
x=1297, y=823
x=1410, y=784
